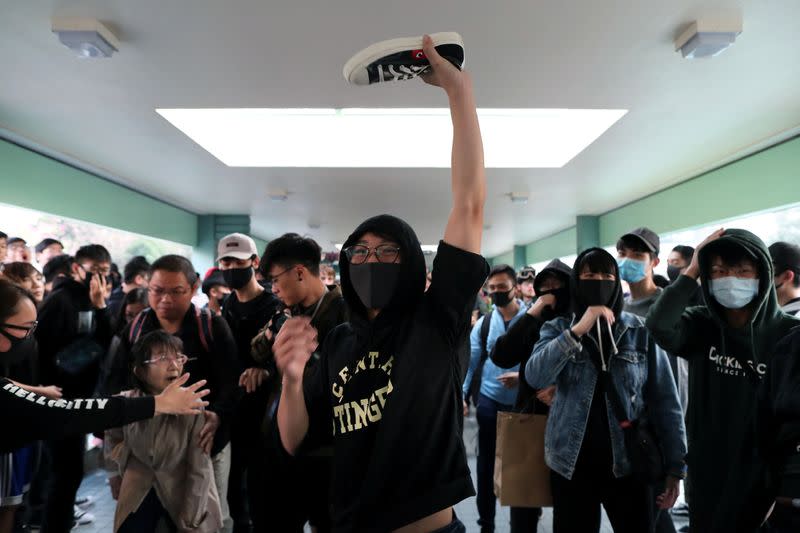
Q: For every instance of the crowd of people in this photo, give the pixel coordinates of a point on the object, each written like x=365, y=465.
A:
x=290, y=399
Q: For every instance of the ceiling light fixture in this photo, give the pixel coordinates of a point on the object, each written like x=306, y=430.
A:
x=279, y=195
x=368, y=138
x=518, y=197
x=707, y=38
x=88, y=38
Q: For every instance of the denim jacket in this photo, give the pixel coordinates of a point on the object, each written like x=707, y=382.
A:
x=641, y=374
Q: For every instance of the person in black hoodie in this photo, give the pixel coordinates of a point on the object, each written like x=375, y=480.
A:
x=552, y=288
x=729, y=343
x=74, y=333
x=386, y=389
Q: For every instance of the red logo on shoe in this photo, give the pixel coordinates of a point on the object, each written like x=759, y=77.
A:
x=418, y=54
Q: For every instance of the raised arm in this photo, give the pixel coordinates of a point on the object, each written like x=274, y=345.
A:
x=465, y=225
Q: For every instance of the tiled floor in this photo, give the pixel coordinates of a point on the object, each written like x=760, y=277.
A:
x=103, y=509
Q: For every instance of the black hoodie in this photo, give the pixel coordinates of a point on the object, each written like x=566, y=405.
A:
x=516, y=346
x=390, y=393
x=724, y=469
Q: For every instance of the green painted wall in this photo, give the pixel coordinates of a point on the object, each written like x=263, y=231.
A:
x=28, y=179
x=557, y=245
x=766, y=180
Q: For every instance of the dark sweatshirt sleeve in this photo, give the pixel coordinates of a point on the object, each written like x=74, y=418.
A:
x=516, y=346
x=225, y=378
x=51, y=334
x=29, y=417
x=104, y=331
x=677, y=330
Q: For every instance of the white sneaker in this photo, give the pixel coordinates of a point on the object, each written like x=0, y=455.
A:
x=81, y=517
x=401, y=59
x=84, y=502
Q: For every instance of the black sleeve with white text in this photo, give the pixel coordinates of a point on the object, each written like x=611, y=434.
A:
x=27, y=417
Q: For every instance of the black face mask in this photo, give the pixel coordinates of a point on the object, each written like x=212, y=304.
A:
x=236, y=278
x=562, y=300
x=596, y=291
x=501, y=299
x=331, y=287
x=673, y=272
x=221, y=301
x=17, y=351
x=375, y=283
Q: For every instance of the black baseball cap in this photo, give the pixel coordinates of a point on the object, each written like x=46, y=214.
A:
x=785, y=256
x=214, y=278
x=648, y=237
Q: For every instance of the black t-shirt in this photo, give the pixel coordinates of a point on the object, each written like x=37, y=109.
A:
x=389, y=396
x=246, y=319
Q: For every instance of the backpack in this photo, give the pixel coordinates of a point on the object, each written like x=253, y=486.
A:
x=203, y=317
x=477, y=376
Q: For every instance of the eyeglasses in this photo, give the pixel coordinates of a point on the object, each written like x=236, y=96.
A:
x=160, y=292
x=27, y=329
x=385, y=253
x=274, y=279
x=161, y=359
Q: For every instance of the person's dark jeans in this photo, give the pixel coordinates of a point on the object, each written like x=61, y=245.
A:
x=65, y=479
x=486, y=414
x=576, y=504
x=525, y=519
x=245, y=450
x=147, y=516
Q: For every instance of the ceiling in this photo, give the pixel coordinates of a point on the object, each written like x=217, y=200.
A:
x=684, y=116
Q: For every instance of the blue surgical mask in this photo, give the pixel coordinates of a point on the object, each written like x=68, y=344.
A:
x=632, y=270
x=733, y=292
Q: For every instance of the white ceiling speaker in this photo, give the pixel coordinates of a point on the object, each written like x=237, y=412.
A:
x=518, y=197
x=279, y=195
x=707, y=38
x=88, y=38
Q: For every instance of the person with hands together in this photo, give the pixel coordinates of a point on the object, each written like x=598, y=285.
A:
x=603, y=361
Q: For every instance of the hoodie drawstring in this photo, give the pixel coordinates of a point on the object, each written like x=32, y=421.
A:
x=600, y=343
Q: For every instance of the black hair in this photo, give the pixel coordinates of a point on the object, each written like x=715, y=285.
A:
x=11, y=295
x=635, y=244
x=19, y=271
x=137, y=266
x=503, y=269
x=597, y=263
x=687, y=252
x=3, y=235
x=176, y=264
x=58, y=266
x=136, y=296
x=144, y=349
x=15, y=240
x=660, y=281
x=46, y=243
x=289, y=250
x=93, y=252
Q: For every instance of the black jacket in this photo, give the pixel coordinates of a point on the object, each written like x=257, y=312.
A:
x=390, y=392
x=58, y=328
x=218, y=366
x=246, y=320
x=516, y=346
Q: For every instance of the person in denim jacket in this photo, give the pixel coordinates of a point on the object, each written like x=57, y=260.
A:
x=584, y=443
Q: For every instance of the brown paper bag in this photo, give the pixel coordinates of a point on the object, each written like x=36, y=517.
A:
x=521, y=478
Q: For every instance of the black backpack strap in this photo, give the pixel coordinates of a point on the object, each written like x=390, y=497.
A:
x=485, y=325
x=477, y=376
x=204, y=328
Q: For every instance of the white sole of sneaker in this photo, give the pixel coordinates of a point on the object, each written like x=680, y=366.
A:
x=372, y=53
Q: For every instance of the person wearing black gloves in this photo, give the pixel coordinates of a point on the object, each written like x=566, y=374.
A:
x=386, y=388
x=28, y=416
x=553, y=299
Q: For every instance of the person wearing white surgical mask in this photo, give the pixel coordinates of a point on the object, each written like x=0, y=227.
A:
x=729, y=343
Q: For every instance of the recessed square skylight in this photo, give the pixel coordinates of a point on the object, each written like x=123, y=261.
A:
x=388, y=138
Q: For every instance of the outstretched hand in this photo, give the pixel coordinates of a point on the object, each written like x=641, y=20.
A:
x=177, y=400
x=442, y=73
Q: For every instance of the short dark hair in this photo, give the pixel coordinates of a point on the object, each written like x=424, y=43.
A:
x=289, y=250
x=3, y=235
x=93, y=252
x=146, y=346
x=44, y=243
x=137, y=266
x=503, y=269
x=633, y=243
x=11, y=295
x=19, y=271
x=15, y=240
x=176, y=264
x=687, y=252
x=598, y=262
x=58, y=266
